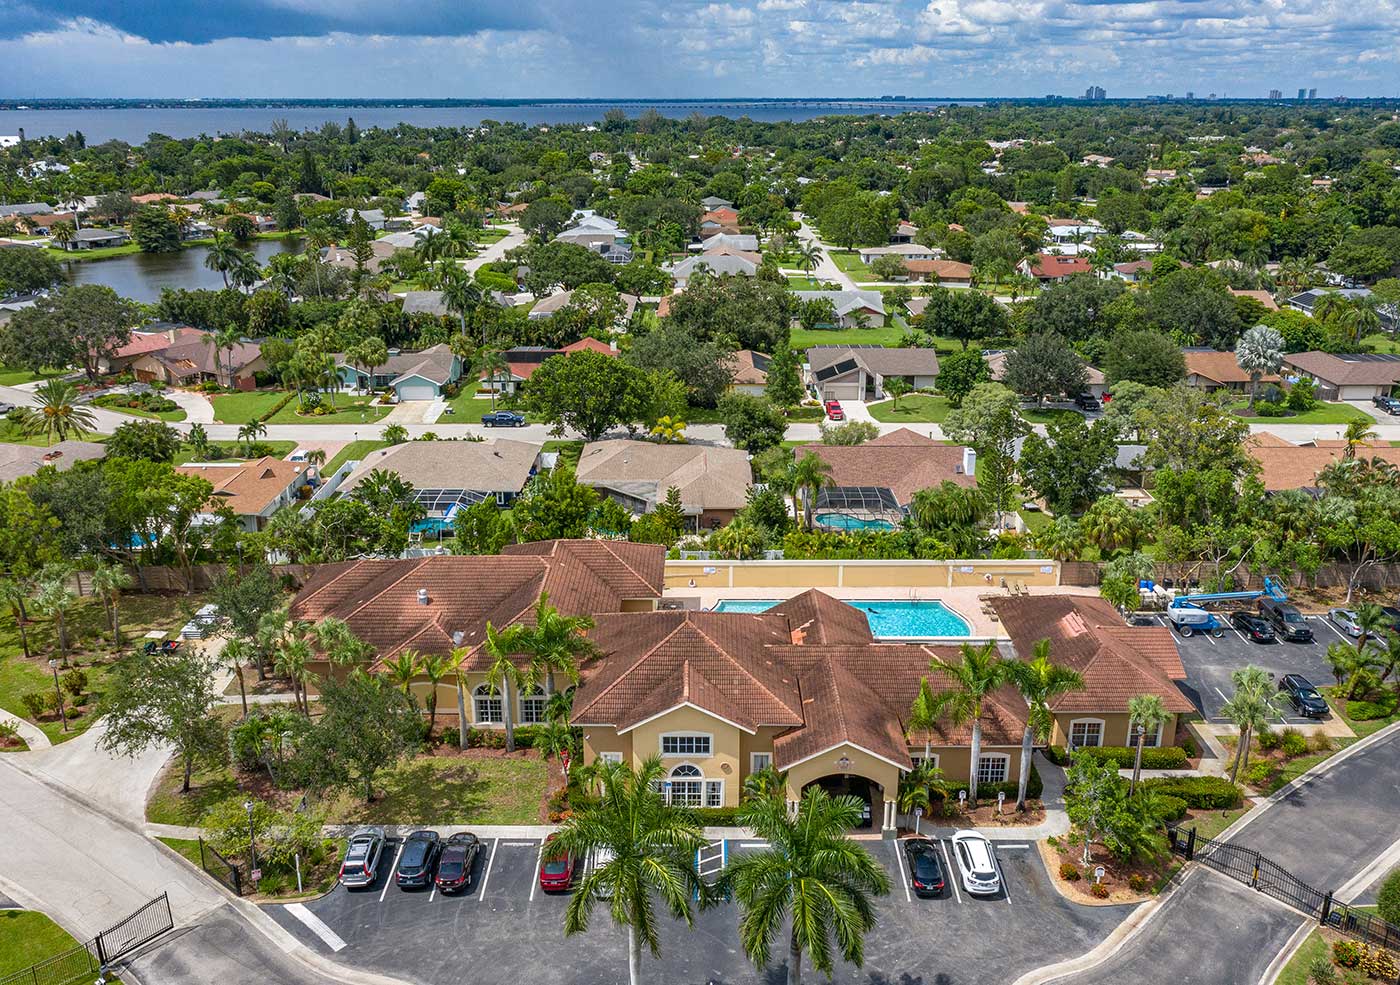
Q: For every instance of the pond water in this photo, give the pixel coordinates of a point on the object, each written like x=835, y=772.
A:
x=141, y=276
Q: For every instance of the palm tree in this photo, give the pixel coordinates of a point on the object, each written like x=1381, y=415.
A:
x=282, y=273
x=57, y=413
x=434, y=667
x=503, y=675
x=293, y=656
x=458, y=665
x=319, y=235
x=223, y=255
x=55, y=600
x=225, y=340
x=236, y=653
x=916, y=788
x=491, y=365
x=402, y=670
x=245, y=272
x=1357, y=433
x=650, y=848
x=1061, y=540
x=979, y=672
x=1372, y=622
x=811, y=878
x=251, y=432
x=198, y=440
x=1146, y=713
x=63, y=233
x=669, y=430
x=1040, y=682
x=108, y=583
x=1251, y=707
x=556, y=643
x=1350, y=664
x=810, y=474
x=1259, y=352
x=338, y=642
x=809, y=255
x=896, y=387
x=462, y=297
x=768, y=783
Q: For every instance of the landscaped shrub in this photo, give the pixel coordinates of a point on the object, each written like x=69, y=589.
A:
x=1378, y=964
x=35, y=703
x=1258, y=773
x=1164, y=758
x=1270, y=740
x=1099, y=890
x=1320, y=742
x=1294, y=743
x=495, y=738
x=1189, y=746
x=286, y=399
x=1201, y=793
x=1057, y=755
x=1137, y=883
x=717, y=817
x=75, y=682
x=1388, y=900
x=1348, y=954
x=1069, y=872
x=1322, y=971
x=1270, y=410
x=989, y=791
x=1173, y=808
x=1369, y=711
x=451, y=736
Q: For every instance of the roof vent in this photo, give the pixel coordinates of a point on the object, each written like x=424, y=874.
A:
x=422, y=596
x=457, y=638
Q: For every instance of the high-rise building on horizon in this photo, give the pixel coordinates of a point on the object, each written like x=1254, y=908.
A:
x=1302, y=94
x=1095, y=94
x=1275, y=93
x=1312, y=93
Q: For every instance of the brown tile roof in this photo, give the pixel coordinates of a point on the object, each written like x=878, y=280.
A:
x=750, y=367
x=1117, y=661
x=1347, y=370
x=945, y=269
x=248, y=488
x=902, y=461
x=1286, y=466
x=379, y=598
x=1218, y=366
x=1047, y=266
x=835, y=686
x=1263, y=297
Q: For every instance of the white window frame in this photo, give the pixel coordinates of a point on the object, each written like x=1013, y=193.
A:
x=1005, y=760
x=713, y=793
x=610, y=757
x=1151, y=740
x=1069, y=734
x=484, y=694
x=918, y=758
x=535, y=697
x=693, y=782
x=754, y=757
x=691, y=754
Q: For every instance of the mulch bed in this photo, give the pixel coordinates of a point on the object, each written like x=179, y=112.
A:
x=8, y=742
x=1116, y=874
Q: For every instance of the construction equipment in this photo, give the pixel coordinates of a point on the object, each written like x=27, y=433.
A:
x=1188, y=613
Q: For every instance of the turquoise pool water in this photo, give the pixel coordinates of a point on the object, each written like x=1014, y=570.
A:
x=842, y=521
x=889, y=619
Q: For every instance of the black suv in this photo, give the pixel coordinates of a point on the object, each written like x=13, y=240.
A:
x=420, y=851
x=1305, y=698
x=1287, y=621
x=1087, y=401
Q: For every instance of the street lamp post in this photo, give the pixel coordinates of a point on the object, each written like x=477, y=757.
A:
x=58, y=693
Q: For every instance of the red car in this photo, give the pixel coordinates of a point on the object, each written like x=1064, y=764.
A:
x=834, y=411
x=556, y=869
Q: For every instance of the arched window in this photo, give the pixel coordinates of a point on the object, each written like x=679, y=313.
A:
x=488, y=705
x=532, y=706
x=687, y=785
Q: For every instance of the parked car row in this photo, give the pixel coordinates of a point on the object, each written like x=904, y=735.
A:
x=425, y=860
x=973, y=855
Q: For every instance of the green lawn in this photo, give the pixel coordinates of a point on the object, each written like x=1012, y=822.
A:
x=14, y=377
x=28, y=937
x=467, y=408
x=1380, y=342
x=1324, y=413
x=802, y=283
x=849, y=263
x=917, y=408
x=167, y=805
x=804, y=338
x=1047, y=415
x=11, y=435
x=569, y=451
x=350, y=409
x=1208, y=824
x=280, y=449
x=101, y=253
x=169, y=416
x=240, y=408
x=354, y=451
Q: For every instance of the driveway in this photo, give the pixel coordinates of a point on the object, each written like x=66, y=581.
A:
x=411, y=412
x=496, y=251
x=426, y=937
x=197, y=408
x=826, y=269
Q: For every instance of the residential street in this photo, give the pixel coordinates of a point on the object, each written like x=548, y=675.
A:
x=826, y=269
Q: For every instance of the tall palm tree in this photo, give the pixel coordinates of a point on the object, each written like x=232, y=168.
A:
x=251, y=432
x=462, y=297
x=15, y=592
x=108, y=583
x=502, y=675
x=1040, y=682
x=979, y=672
x=319, y=236
x=1252, y=705
x=63, y=233
x=435, y=667
x=809, y=255
x=338, y=642
x=57, y=413
x=1350, y=665
x=245, y=272
x=458, y=664
x=1259, y=352
x=810, y=474
x=223, y=255
x=556, y=643
x=225, y=340
x=282, y=273
x=811, y=879
x=1357, y=433
x=235, y=654
x=292, y=662
x=650, y=848
x=492, y=365
x=1146, y=713
x=56, y=600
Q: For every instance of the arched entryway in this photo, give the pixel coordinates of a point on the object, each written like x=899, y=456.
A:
x=848, y=769
x=870, y=793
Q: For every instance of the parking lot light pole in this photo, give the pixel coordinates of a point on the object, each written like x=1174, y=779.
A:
x=58, y=694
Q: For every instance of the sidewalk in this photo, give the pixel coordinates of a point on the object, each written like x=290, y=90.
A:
x=33, y=735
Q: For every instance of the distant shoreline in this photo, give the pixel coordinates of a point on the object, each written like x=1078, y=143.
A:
x=348, y=103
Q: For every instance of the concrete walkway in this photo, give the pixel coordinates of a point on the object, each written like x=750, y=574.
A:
x=514, y=237
x=34, y=737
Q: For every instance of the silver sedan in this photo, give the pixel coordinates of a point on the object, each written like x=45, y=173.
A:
x=1345, y=620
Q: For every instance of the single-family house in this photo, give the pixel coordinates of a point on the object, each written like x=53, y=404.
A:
x=713, y=482
x=1072, y=232
x=723, y=262
x=1307, y=301
x=905, y=251
x=450, y=476
x=750, y=372
x=904, y=232
x=948, y=273
x=739, y=243
x=96, y=239
x=412, y=375
x=875, y=481
x=523, y=360
x=374, y=218
x=721, y=220
x=155, y=337
x=18, y=461
x=1095, y=383
x=559, y=300
x=1115, y=660
x=1263, y=297
x=1052, y=266
x=1346, y=376
x=851, y=306
x=712, y=202
x=1211, y=369
x=1284, y=465
x=414, y=202
x=1133, y=271
x=16, y=209
x=859, y=372
x=197, y=360
x=252, y=491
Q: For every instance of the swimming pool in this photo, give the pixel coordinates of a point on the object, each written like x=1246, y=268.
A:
x=889, y=619
x=844, y=521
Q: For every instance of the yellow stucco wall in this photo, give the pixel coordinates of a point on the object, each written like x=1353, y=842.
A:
x=861, y=764
x=954, y=760
x=1115, y=728
x=859, y=574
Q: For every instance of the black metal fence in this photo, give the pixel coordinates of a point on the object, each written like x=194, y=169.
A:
x=79, y=964
x=1268, y=877
x=220, y=868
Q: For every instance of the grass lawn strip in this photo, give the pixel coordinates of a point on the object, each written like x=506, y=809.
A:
x=1323, y=413
x=352, y=452
x=27, y=938
x=917, y=408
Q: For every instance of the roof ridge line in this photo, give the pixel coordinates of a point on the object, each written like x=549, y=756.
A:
x=742, y=669
x=641, y=658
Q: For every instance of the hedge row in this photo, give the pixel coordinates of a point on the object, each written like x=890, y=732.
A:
x=267, y=415
x=1202, y=793
x=1153, y=758
x=1034, y=788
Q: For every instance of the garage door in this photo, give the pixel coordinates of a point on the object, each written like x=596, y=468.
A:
x=417, y=391
x=841, y=391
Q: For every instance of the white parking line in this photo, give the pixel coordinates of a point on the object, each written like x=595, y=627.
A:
x=1208, y=638
x=317, y=926
x=433, y=895
x=390, y=876
x=1005, y=887
x=1004, y=845
x=486, y=876
x=903, y=871
x=1222, y=694
x=539, y=862
x=1328, y=623
x=1243, y=638
x=952, y=878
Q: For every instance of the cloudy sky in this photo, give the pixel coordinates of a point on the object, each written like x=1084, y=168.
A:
x=688, y=48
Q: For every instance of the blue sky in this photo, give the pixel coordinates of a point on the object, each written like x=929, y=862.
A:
x=687, y=48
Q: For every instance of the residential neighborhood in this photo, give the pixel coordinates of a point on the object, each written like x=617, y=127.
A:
x=929, y=542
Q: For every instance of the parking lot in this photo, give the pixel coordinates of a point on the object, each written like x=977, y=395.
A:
x=1209, y=663
x=505, y=930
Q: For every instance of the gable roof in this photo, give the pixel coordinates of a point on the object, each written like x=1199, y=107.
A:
x=1221, y=367
x=847, y=301
x=879, y=359
x=901, y=461
x=750, y=367
x=1048, y=266
x=248, y=488
x=1283, y=465
x=1117, y=661
x=708, y=478
x=497, y=466
x=1349, y=369
x=944, y=269
x=200, y=355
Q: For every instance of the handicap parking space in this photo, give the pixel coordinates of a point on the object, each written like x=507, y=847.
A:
x=422, y=936
x=1209, y=662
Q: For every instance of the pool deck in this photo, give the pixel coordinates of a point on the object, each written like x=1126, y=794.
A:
x=965, y=602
